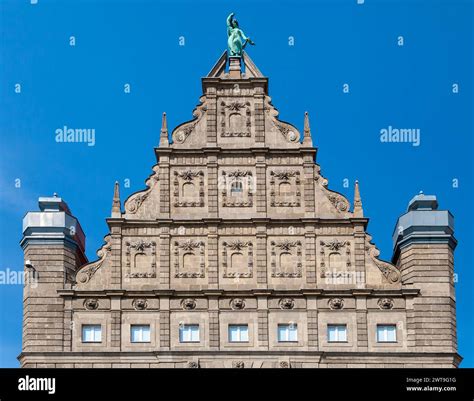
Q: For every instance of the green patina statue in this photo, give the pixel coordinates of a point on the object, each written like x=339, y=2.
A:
x=236, y=38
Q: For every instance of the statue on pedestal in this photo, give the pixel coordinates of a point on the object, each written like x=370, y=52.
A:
x=236, y=38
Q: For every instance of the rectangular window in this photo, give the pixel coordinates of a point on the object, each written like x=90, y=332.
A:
x=238, y=333
x=140, y=333
x=189, y=333
x=386, y=333
x=287, y=333
x=91, y=333
x=337, y=333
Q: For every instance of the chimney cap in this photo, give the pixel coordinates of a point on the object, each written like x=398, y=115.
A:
x=423, y=202
x=53, y=204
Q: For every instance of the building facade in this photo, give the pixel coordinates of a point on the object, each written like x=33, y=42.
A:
x=237, y=254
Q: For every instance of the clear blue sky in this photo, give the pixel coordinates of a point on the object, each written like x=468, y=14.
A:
x=137, y=42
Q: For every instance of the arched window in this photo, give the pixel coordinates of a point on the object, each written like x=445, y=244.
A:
x=236, y=188
x=188, y=190
x=285, y=190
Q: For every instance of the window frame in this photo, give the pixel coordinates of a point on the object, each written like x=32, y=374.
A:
x=336, y=326
x=190, y=326
x=139, y=325
x=385, y=325
x=91, y=325
x=239, y=326
x=289, y=330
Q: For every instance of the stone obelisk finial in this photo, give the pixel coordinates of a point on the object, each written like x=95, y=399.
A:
x=358, y=211
x=164, y=141
x=116, y=202
x=307, y=131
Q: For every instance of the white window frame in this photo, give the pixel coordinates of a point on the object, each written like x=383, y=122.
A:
x=289, y=330
x=340, y=333
x=187, y=335
x=242, y=332
x=96, y=333
x=383, y=329
x=142, y=336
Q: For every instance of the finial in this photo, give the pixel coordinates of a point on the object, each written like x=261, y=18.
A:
x=358, y=211
x=116, y=212
x=164, y=142
x=307, y=131
x=421, y=193
x=55, y=195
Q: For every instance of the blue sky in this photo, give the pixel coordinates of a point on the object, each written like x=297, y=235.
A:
x=138, y=43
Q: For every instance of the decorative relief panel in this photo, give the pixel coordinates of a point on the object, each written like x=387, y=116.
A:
x=188, y=188
x=140, y=259
x=334, y=255
x=237, y=259
x=285, y=188
x=189, y=259
x=286, y=259
x=237, y=188
x=235, y=119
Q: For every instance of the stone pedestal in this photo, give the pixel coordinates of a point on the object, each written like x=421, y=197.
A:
x=234, y=67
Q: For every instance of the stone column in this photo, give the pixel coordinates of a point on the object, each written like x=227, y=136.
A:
x=214, y=332
x=212, y=186
x=165, y=323
x=213, y=257
x=116, y=254
x=164, y=183
x=211, y=116
x=261, y=256
x=116, y=322
x=308, y=172
x=259, y=115
x=361, y=320
x=312, y=311
x=165, y=257
x=261, y=185
x=310, y=256
x=359, y=254
x=262, y=311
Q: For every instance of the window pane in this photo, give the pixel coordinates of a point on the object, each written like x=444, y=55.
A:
x=194, y=333
x=342, y=333
x=189, y=333
x=337, y=333
x=287, y=332
x=91, y=333
x=292, y=333
x=244, y=333
x=386, y=333
x=140, y=334
x=282, y=333
x=238, y=333
x=391, y=333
